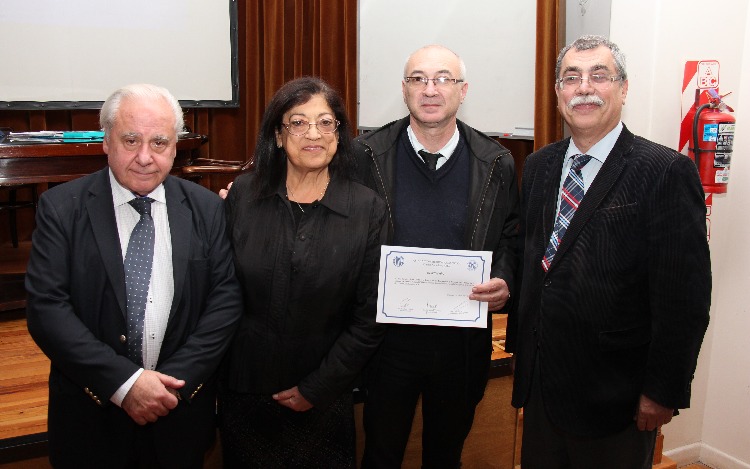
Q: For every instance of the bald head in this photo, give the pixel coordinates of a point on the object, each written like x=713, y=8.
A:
x=439, y=52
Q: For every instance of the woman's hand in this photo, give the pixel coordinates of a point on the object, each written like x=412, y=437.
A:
x=223, y=193
x=293, y=399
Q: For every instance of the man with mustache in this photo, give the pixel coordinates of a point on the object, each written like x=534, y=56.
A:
x=461, y=195
x=616, y=285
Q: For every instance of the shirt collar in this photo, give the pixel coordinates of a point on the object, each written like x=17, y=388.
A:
x=336, y=196
x=121, y=195
x=601, y=149
x=446, y=151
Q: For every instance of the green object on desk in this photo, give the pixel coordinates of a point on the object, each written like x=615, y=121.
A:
x=84, y=136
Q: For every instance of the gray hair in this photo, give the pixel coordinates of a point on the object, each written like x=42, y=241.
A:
x=592, y=42
x=111, y=106
x=461, y=64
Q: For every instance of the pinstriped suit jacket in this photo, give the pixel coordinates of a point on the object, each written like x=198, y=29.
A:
x=624, y=306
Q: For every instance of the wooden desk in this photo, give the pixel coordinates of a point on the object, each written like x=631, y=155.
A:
x=59, y=162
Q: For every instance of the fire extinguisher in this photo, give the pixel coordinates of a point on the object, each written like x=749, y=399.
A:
x=711, y=142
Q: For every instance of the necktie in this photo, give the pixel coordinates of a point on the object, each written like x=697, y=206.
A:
x=570, y=198
x=430, y=159
x=138, y=261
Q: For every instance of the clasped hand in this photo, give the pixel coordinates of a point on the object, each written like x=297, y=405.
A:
x=152, y=396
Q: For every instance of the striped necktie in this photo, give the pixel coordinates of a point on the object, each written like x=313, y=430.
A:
x=570, y=197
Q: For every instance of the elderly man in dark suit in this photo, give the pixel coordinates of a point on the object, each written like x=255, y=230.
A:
x=616, y=281
x=132, y=295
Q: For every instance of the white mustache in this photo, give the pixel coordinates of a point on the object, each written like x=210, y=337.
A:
x=586, y=99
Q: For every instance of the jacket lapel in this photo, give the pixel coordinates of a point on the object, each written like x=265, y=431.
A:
x=180, y=228
x=600, y=187
x=101, y=212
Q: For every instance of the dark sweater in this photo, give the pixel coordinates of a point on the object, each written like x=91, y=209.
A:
x=420, y=221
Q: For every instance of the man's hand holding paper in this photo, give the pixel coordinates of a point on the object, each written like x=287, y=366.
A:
x=494, y=292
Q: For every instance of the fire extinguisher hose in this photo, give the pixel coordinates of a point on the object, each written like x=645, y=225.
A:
x=696, y=148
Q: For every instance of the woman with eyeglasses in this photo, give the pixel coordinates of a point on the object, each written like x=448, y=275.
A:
x=306, y=242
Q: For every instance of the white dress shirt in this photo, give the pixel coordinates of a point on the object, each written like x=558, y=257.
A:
x=598, y=154
x=445, y=152
x=161, y=286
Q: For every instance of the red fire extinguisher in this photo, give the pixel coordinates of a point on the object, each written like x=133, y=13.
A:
x=711, y=142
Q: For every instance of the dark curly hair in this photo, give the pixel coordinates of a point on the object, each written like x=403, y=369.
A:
x=270, y=161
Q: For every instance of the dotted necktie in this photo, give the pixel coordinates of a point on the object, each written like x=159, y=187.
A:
x=430, y=159
x=138, y=261
x=570, y=198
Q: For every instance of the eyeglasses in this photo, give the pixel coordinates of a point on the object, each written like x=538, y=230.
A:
x=439, y=82
x=597, y=80
x=300, y=127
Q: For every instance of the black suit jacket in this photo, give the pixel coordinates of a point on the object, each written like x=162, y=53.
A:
x=76, y=313
x=624, y=306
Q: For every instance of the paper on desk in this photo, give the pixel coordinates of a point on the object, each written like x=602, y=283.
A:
x=52, y=136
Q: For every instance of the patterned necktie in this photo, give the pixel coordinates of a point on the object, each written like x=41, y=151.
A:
x=570, y=198
x=430, y=159
x=138, y=261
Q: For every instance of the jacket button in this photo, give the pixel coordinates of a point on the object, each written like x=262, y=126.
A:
x=123, y=339
x=547, y=282
x=302, y=237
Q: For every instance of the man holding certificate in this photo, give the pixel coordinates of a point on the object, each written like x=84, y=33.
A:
x=447, y=187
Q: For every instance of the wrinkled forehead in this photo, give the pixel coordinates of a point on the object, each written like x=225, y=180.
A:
x=136, y=111
x=600, y=58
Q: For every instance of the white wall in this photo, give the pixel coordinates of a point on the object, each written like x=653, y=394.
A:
x=586, y=17
x=717, y=427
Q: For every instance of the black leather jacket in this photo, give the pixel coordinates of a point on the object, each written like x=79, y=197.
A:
x=493, y=199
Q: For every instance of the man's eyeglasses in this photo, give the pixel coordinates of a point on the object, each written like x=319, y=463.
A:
x=300, y=127
x=439, y=82
x=597, y=80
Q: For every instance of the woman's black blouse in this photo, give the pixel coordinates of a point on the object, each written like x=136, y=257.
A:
x=310, y=289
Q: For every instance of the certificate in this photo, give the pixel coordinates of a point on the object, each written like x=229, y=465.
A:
x=432, y=286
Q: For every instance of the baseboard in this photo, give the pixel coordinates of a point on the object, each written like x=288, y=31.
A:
x=706, y=454
x=683, y=455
